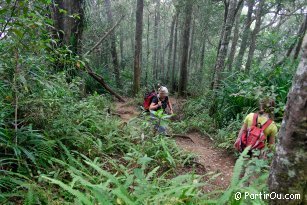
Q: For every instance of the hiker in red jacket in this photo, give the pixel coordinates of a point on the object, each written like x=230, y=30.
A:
x=258, y=130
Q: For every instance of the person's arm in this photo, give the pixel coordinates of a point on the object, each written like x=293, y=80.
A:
x=243, y=129
x=154, y=105
x=271, y=145
x=170, y=106
x=271, y=141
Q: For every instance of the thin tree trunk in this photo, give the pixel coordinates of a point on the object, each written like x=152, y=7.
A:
x=113, y=45
x=161, y=53
x=202, y=60
x=191, y=42
x=301, y=35
x=121, y=47
x=132, y=32
x=175, y=53
x=183, y=81
x=288, y=174
x=148, y=49
x=138, y=46
x=169, y=60
x=255, y=32
x=246, y=33
x=226, y=7
x=234, y=39
x=220, y=61
x=156, y=29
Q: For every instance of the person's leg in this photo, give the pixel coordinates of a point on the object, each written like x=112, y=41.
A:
x=153, y=119
x=161, y=129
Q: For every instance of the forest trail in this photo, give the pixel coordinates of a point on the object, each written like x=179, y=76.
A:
x=213, y=159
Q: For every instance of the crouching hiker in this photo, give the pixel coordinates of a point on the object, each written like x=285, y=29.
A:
x=161, y=102
x=258, y=131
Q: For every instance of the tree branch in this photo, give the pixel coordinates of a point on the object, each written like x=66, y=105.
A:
x=238, y=6
x=104, y=37
x=281, y=21
x=7, y=22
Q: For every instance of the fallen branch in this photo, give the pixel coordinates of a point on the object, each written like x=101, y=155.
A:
x=180, y=135
x=199, y=164
x=113, y=113
x=100, y=79
x=116, y=114
x=96, y=76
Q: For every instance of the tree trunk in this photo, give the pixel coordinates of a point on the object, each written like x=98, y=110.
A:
x=191, y=42
x=72, y=27
x=301, y=35
x=67, y=29
x=148, y=49
x=220, y=61
x=234, y=39
x=138, y=46
x=183, y=81
x=113, y=45
x=202, y=60
x=226, y=7
x=161, y=53
x=132, y=32
x=169, y=60
x=121, y=47
x=175, y=54
x=288, y=174
x=156, y=29
x=255, y=32
x=245, y=35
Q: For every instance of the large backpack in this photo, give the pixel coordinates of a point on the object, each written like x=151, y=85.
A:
x=148, y=98
x=254, y=136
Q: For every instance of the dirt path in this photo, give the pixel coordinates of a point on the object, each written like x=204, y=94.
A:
x=126, y=110
x=213, y=159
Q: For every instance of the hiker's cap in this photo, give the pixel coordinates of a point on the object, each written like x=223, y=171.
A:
x=163, y=90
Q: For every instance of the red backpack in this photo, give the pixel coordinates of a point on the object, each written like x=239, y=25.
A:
x=254, y=136
x=148, y=98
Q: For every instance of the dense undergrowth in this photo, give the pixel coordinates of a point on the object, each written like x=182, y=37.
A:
x=68, y=149
x=61, y=145
x=73, y=142
x=240, y=95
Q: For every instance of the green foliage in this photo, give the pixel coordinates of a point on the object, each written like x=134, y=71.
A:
x=240, y=93
x=61, y=146
x=196, y=116
x=127, y=186
x=160, y=118
x=249, y=177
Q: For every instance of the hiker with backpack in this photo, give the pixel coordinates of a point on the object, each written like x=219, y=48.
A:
x=161, y=101
x=158, y=101
x=258, y=130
